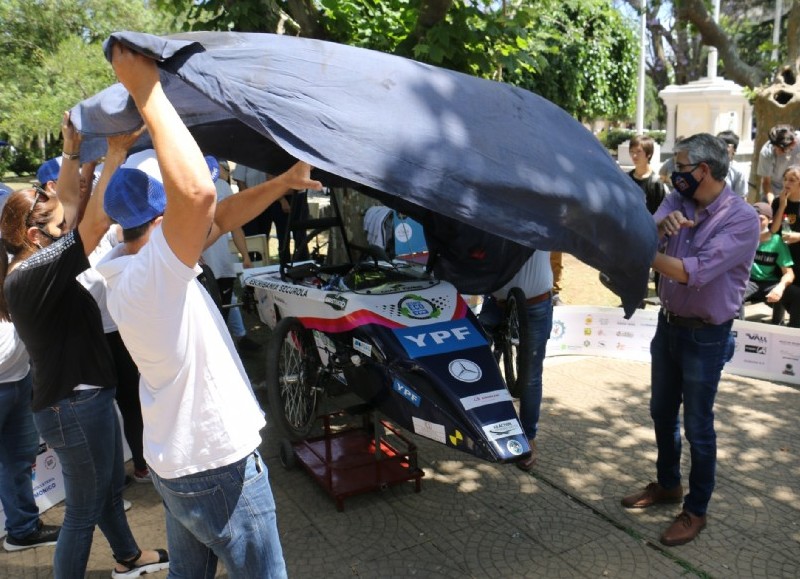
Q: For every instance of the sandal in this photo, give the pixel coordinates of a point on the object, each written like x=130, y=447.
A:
x=132, y=569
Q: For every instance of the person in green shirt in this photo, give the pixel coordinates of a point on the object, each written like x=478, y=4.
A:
x=771, y=272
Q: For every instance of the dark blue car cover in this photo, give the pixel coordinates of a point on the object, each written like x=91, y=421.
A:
x=485, y=153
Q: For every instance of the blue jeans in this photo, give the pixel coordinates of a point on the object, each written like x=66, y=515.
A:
x=19, y=443
x=84, y=432
x=686, y=368
x=540, y=323
x=225, y=513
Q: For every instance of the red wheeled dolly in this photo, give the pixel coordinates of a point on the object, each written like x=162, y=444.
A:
x=354, y=460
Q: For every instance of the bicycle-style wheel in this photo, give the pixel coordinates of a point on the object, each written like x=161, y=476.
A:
x=293, y=369
x=515, y=342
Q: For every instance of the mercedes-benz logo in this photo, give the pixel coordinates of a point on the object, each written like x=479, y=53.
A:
x=465, y=370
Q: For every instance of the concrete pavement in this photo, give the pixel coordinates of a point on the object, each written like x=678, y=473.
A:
x=476, y=519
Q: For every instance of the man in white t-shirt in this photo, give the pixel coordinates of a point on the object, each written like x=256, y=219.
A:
x=201, y=418
x=777, y=154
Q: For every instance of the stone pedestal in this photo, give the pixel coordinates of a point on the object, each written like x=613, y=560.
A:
x=708, y=105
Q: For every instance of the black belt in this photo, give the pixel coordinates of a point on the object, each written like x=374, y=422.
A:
x=675, y=320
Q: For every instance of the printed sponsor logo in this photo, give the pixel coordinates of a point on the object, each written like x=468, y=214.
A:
x=44, y=488
x=485, y=398
x=406, y=392
x=788, y=370
x=586, y=343
x=514, y=447
x=283, y=288
x=336, y=301
x=750, y=349
x=588, y=320
x=465, y=370
x=625, y=334
x=403, y=232
x=502, y=429
x=429, y=429
x=756, y=338
x=363, y=347
x=418, y=308
x=587, y=331
x=456, y=438
x=439, y=338
x=50, y=462
x=558, y=330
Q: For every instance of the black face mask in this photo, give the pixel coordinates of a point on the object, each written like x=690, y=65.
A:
x=685, y=183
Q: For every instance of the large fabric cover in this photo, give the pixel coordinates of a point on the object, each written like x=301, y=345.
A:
x=487, y=154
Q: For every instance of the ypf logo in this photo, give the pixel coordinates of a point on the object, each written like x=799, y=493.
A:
x=440, y=338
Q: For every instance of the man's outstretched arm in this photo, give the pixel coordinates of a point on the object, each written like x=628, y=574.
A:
x=236, y=210
x=191, y=196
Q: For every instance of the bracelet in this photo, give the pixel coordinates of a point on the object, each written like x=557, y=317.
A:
x=71, y=156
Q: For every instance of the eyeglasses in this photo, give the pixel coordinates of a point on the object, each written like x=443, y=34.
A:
x=680, y=166
x=37, y=193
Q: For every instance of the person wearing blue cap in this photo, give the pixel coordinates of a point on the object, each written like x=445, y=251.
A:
x=202, y=421
x=74, y=380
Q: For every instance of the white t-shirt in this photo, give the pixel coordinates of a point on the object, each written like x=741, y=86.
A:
x=218, y=255
x=14, y=363
x=198, y=406
x=534, y=278
x=96, y=283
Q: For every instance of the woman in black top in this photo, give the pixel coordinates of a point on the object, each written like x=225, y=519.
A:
x=73, y=375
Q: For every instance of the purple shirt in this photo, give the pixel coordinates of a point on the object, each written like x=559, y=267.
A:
x=717, y=254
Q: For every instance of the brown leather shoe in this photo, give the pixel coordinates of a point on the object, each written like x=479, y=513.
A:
x=527, y=464
x=683, y=529
x=653, y=494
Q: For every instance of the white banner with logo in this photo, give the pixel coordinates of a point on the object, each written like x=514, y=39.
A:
x=762, y=350
x=47, y=480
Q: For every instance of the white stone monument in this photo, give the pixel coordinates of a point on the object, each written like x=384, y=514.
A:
x=708, y=105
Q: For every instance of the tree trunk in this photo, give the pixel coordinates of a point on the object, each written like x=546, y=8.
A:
x=779, y=103
x=736, y=69
x=776, y=104
x=307, y=16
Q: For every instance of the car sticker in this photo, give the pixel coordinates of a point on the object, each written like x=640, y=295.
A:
x=485, y=398
x=429, y=429
x=465, y=370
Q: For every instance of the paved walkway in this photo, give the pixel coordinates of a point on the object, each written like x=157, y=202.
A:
x=476, y=519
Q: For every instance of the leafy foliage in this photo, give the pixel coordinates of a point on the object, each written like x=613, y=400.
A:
x=613, y=138
x=52, y=59
x=590, y=65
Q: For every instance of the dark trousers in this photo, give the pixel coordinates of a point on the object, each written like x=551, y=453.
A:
x=128, y=398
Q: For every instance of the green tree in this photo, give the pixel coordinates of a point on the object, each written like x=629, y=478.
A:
x=589, y=63
x=541, y=45
x=52, y=59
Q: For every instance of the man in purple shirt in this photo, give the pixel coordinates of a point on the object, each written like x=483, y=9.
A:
x=708, y=239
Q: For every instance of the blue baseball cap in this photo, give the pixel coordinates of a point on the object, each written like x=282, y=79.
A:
x=5, y=191
x=135, y=194
x=134, y=198
x=49, y=170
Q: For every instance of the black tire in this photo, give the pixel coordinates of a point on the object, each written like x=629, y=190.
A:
x=516, y=355
x=288, y=457
x=293, y=369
